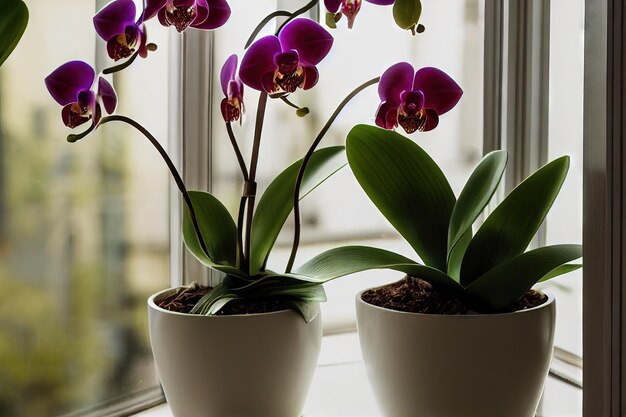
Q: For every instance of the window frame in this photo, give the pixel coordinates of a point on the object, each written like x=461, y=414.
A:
x=604, y=370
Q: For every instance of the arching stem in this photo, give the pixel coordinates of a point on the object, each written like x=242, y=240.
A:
x=305, y=161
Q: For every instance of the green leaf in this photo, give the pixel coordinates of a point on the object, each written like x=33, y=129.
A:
x=510, y=228
x=203, y=306
x=456, y=256
x=507, y=282
x=407, y=13
x=560, y=270
x=13, y=22
x=307, y=309
x=348, y=260
x=277, y=201
x=473, y=199
x=407, y=186
x=218, y=232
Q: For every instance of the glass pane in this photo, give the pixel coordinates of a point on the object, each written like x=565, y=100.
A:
x=84, y=228
x=564, y=223
x=338, y=212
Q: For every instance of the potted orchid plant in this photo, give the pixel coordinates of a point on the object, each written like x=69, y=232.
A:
x=207, y=341
x=463, y=333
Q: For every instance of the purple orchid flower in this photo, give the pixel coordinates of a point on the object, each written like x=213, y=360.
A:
x=286, y=62
x=199, y=14
x=116, y=24
x=232, y=105
x=72, y=86
x=350, y=8
x=415, y=100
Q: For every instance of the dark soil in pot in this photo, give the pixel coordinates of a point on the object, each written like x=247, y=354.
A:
x=414, y=295
x=183, y=300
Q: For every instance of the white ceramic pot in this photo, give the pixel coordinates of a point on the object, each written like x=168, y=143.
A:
x=257, y=365
x=423, y=365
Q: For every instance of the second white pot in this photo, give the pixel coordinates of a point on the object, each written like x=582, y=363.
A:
x=426, y=365
x=257, y=365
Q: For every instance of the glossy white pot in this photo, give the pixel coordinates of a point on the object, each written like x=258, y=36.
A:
x=423, y=365
x=256, y=365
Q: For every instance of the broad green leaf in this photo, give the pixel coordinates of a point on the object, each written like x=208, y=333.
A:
x=456, y=256
x=407, y=13
x=203, y=306
x=348, y=260
x=560, y=270
x=220, y=304
x=301, y=292
x=475, y=196
x=507, y=282
x=13, y=22
x=218, y=232
x=307, y=309
x=510, y=228
x=277, y=201
x=407, y=186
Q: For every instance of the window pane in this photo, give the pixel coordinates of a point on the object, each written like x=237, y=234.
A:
x=338, y=212
x=564, y=223
x=84, y=228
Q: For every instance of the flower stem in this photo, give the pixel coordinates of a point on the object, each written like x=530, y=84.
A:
x=297, y=13
x=242, y=203
x=305, y=161
x=170, y=165
x=262, y=24
x=121, y=66
x=250, y=186
x=233, y=141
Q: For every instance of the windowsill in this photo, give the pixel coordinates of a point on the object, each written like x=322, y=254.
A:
x=340, y=387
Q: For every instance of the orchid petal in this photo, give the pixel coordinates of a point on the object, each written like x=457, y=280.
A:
x=67, y=81
x=394, y=81
x=97, y=115
x=332, y=5
x=162, y=18
x=381, y=2
x=229, y=69
x=234, y=90
x=152, y=8
x=432, y=120
x=311, y=76
x=114, y=17
x=441, y=92
x=258, y=61
x=311, y=40
x=143, y=45
x=70, y=119
x=387, y=115
x=184, y=4
x=267, y=83
x=202, y=10
x=219, y=13
x=107, y=95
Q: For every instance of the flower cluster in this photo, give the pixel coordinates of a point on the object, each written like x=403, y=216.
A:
x=277, y=66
